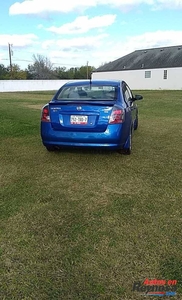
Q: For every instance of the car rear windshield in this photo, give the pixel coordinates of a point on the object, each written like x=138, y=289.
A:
x=88, y=92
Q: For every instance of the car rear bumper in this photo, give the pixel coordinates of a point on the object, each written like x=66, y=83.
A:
x=111, y=138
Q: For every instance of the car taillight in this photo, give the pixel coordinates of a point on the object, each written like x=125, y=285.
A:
x=117, y=116
x=45, y=114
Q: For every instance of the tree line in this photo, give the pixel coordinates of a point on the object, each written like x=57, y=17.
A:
x=42, y=68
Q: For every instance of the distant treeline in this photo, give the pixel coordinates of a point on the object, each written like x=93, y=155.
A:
x=42, y=68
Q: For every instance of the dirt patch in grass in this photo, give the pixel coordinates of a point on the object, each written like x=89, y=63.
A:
x=33, y=106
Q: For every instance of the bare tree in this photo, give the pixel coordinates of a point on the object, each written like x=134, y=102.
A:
x=42, y=68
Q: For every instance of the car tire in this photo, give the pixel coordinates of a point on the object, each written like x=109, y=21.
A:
x=50, y=148
x=127, y=151
x=136, y=123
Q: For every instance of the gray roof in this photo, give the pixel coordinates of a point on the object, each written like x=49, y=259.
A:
x=164, y=57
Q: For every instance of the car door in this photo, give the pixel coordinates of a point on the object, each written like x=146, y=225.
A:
x=128, y=96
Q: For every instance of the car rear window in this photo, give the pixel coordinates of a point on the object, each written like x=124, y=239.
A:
x=88, y=92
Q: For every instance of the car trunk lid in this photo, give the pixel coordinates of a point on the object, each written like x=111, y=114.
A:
x=80, y=116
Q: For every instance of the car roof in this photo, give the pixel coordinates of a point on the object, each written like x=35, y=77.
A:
x=94, y=82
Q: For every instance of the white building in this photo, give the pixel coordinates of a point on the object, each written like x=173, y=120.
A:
x=149, y=69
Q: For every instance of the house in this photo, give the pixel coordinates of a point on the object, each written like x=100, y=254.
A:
x=148, y=69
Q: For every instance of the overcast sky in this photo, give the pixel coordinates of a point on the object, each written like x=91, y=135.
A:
x=72, y=32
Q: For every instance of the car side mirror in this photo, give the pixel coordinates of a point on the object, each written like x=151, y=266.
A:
x=137, y=97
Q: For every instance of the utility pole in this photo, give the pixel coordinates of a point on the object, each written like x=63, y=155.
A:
x=10, y=60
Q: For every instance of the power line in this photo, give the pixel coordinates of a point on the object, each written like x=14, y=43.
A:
x=17, y=59
x=31, y=61
x=59, y=63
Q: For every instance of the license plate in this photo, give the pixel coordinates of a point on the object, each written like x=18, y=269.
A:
x=79, y=120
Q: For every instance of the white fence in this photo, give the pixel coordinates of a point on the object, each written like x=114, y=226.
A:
x=136, y=80
x=30, y=85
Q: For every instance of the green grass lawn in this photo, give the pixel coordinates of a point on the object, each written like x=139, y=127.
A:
x=86, y=224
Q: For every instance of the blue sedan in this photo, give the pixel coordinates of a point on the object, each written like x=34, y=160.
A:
x=91, y=113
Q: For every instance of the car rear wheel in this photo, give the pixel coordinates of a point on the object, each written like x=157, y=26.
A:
x=136, y=123
x=127, y=151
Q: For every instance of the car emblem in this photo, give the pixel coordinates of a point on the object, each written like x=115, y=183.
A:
x=79, y=108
